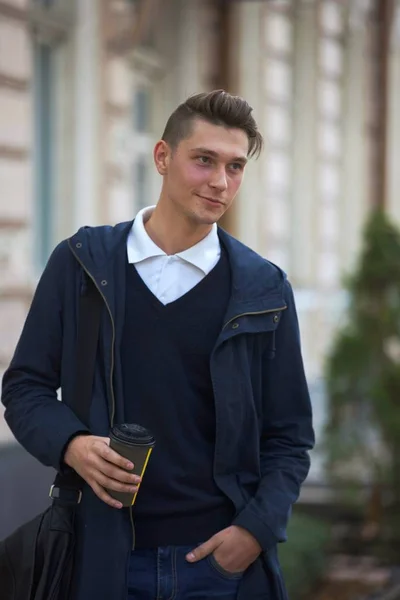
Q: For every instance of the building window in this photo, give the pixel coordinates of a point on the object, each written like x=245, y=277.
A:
x=43, y=149
x=279, y=33
x=44, y=3
x=278, y=92
x=50, y=21
x=142, y=110
x=330, y=105
x=143, y=141
x=141, y=180
x=331, y=17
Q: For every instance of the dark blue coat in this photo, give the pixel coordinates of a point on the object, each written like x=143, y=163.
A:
x=263, y=412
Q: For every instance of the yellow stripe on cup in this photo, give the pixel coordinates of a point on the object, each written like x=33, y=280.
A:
x=142, y=473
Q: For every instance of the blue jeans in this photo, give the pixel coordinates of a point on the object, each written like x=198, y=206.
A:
x=165, y=574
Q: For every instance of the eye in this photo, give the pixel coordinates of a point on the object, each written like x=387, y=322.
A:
x=204, y=160
x=236, y=166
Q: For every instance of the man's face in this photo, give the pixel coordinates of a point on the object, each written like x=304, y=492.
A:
x=203, y=174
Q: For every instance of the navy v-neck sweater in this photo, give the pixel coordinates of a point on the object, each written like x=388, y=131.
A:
x=168, y=389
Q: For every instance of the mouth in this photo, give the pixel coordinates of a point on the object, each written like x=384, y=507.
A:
x=214, y=201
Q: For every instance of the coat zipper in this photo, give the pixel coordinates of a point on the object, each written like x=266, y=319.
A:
x=113, y=333
x=260, y=312
x=111, y=370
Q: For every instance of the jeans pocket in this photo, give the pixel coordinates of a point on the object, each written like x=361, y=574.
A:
x=216, y=567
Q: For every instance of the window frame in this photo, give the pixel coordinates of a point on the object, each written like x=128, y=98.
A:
x=50, y=23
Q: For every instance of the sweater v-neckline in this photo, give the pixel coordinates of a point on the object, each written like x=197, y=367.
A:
x=182, y=299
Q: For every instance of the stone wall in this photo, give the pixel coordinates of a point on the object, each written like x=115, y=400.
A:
x=15, y=177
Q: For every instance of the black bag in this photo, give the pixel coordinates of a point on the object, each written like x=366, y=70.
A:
x=36, y=561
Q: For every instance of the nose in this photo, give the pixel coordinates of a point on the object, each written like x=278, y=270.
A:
x=218, y=181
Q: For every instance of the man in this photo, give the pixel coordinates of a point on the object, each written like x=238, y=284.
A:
x=199, y=342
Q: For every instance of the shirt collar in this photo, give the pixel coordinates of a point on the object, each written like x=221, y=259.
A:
x=140, y=246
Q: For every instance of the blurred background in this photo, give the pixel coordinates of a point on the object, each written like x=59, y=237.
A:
x=86, y=87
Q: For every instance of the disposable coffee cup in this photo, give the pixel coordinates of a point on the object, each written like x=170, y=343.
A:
x=134, y=443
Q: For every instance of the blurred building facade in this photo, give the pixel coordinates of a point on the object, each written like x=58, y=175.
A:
x=86, y=87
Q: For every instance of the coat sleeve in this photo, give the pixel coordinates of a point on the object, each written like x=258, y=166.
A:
x=286, y=438
x=39, y=421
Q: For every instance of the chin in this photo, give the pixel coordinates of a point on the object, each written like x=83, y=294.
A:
x=207, y=218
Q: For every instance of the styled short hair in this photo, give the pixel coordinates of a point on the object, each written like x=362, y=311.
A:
x=218, y=108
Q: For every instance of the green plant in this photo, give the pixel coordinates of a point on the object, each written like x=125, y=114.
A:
x=363, y=369
x=303, y=557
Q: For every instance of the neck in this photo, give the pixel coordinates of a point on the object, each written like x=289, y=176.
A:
x=173, y=232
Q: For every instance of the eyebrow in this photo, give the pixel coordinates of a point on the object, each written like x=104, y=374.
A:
x=240, y=159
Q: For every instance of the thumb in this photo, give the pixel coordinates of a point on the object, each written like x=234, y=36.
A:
x=204, y=549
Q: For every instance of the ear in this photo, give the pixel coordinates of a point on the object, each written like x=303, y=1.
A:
x=162, y=157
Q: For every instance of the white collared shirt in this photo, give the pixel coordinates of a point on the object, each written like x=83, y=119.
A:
x=170, y=277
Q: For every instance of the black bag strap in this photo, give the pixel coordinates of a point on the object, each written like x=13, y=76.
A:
x=90, y=306
x=88, y=334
